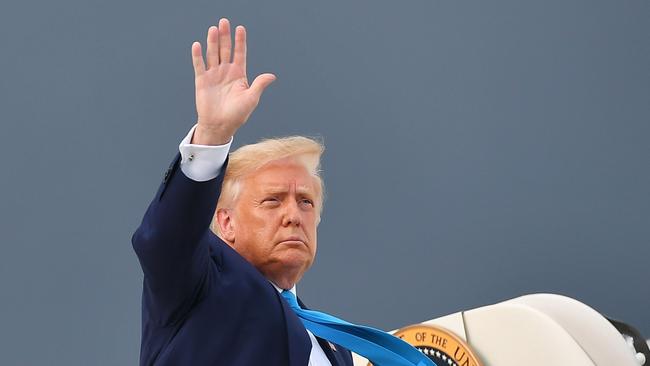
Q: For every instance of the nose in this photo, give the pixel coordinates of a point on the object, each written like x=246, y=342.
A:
x=291, y=214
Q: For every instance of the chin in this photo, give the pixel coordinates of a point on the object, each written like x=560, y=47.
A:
x=298, y=259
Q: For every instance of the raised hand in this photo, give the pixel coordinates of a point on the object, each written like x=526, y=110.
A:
x=224, y=100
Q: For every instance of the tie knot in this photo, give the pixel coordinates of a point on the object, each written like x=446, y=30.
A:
x=291, y=299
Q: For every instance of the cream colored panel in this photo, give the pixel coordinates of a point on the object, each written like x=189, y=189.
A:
x=537, y=330
x=593, y=333
x=513, y=335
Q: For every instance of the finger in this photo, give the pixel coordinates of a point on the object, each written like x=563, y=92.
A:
x=260, y=83
x=197, y=59
x=239, y=57
x=225, y=44
x=212, y=49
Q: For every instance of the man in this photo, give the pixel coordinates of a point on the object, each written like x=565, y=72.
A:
x=205, y=301
x=230, y=299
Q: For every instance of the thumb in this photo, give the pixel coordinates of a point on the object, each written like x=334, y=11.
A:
x=260, y=83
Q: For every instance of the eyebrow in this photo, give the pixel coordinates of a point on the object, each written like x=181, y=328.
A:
x=282, y=190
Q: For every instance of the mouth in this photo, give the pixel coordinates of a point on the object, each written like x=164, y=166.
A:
x=292, y=241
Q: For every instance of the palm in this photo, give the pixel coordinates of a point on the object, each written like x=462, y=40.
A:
x=224, y=99
x=222, y=94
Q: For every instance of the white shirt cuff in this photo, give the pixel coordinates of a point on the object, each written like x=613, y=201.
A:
x=202, y=162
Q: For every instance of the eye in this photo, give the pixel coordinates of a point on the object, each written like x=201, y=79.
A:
x=307, y=202
x=270, y=201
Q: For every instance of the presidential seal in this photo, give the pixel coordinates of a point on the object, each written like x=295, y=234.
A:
x=441, y=346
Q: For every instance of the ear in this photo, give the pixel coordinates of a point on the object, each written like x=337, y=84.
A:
x=226, y=228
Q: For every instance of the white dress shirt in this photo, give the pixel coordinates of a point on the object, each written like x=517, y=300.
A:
x=202, y=163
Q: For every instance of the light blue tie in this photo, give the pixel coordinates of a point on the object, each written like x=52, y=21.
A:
x=379, y=347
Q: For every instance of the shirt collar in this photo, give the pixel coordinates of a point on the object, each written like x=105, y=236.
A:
x=293, y=289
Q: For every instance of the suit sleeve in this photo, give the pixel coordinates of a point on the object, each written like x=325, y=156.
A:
x=171, y=242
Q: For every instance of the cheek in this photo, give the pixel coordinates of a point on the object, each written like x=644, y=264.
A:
x=311, y=220
x=257, y=232
x=311, y=228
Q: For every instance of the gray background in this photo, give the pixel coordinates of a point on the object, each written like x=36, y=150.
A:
x=476, y=151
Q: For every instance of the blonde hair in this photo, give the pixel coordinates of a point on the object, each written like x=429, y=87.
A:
x=249, y=158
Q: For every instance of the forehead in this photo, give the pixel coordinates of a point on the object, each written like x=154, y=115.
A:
x=281, y=175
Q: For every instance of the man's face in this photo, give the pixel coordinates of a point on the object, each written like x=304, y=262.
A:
x=274, y=220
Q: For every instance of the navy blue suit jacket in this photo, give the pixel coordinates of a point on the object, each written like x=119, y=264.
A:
x=202, y=303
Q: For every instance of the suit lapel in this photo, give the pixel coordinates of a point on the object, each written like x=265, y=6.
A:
x=334, y=352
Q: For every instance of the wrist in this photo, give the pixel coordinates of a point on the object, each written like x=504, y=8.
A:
x=210, y=136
